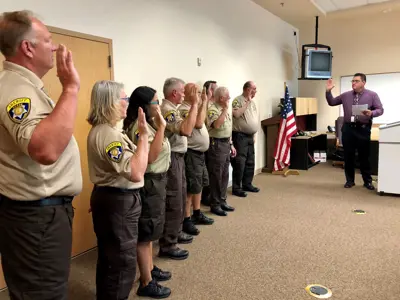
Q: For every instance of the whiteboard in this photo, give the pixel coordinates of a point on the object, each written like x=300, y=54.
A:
x=386, y=85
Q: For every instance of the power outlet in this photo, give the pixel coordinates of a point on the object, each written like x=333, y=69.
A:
x=199, y=62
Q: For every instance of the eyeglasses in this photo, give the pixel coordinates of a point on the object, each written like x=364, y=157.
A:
x=155, y=102
x=125, y=98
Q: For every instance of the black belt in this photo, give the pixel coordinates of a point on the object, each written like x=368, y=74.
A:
x=359, y=124
x=223, y=140
x=49, y=201
x=195, y=151
x=155, y=175
x=179, y=154
x=242, y=133
x=112, y=189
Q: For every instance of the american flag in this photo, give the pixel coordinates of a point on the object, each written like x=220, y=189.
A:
x=287, y=129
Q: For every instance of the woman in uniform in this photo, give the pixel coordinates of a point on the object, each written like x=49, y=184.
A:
x=116, y=168
x=153, y=194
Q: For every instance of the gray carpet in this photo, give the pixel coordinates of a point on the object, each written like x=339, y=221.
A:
x=299, y=230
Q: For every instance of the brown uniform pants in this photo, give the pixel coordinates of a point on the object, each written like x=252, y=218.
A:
x=152, y=218
x=218, y=165
x=115, y=214
x=243, y=163
x=175, y=201
x=35, y=247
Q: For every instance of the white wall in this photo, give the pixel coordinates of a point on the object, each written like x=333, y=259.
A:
x=155, y=39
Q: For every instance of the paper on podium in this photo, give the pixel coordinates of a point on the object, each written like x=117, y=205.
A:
x=358, y=109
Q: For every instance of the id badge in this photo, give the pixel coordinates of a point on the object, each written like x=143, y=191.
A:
x=352, y=119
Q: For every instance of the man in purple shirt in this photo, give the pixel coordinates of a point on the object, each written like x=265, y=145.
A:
x=356, y=130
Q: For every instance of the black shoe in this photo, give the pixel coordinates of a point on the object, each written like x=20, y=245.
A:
x=174, y=253
x=218, y=211
x=202, y=219
x=226, y=207
x=153, y=290
x=160, y=275
x=349, y=185
x=239, y=193
x=189, y=227
x=251, y=188
x=369, y=186
x=184, y=238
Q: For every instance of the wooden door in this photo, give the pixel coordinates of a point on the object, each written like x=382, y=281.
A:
x=91, y=57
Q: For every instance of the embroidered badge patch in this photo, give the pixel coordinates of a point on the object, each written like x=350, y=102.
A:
x=170, y=116
x=212, y=113
x=235, y=103
x=184, y=114
x=19, y=109
x=137, y=134
x=114, y=151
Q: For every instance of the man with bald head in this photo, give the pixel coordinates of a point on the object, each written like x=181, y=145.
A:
x=177, y=130
x=195, y=165
x=40, y=171
x=245, y=126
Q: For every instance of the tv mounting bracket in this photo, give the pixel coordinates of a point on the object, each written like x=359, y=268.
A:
x=303, y=50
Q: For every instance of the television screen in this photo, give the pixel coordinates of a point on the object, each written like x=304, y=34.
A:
x=318, y=64
x=320, y=61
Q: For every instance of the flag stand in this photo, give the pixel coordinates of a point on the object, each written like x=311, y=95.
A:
x=286, y=171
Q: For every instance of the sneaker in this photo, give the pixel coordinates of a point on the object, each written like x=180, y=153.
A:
x=189, y=227
x=160, y=275
x=153, y=290
x=202, y=219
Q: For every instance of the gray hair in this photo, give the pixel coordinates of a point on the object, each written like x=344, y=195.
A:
x=220, y=92
x=104, y=103
x=170, y=84
x=15, y=27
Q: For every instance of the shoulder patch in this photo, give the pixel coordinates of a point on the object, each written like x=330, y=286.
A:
x=170, y=116
x=19, y=109
x=212, y=113
x=114, y=151
x=137, y=134
x=184, y=113
x=235, y=103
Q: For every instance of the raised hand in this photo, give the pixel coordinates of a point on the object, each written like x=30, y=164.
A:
x=204, y=96
x=194, y=95
x=159, y=119
x=66, y=71
x=329, y=85
x=142, y=124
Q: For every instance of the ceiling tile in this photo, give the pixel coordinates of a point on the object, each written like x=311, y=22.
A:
x=376, y=1
x=345, y=4
x=325, y=5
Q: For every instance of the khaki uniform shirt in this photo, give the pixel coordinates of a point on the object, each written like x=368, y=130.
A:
x=225, y=131
x=163, y=161
x=248, y=121
x=23, y=104
x=109, y=157
x=174, y=121
x=199, y=140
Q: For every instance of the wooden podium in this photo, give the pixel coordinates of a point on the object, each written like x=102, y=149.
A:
x=270, y=127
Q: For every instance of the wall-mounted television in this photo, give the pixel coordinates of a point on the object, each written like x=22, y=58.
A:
x=317, y=64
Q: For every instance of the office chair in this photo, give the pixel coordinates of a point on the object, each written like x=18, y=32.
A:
x=338, y=156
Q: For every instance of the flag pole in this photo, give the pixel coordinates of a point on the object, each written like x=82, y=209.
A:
x=286, y=171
